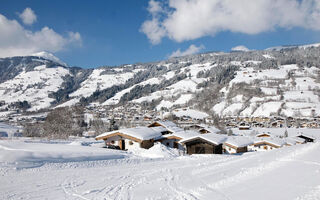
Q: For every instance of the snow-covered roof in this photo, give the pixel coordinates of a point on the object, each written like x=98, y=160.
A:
x=297, y=139
x=239, y=141
x=211, y=129
x=141, y=133
x=311, y=136
x=275, y=141
x=170, y=126
x=166, y=123
x=261, y=134
x=159, y=128
x=183, y=134
x=210, y=137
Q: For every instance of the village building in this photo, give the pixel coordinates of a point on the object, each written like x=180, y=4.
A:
x=169, y=126
x=307, y=137
x=142, y=137
x=237, y=144
x=244, y=126
x=204, y=144
x=298, y=140
x=261, y=135
x=172, y=140
x=266, y=144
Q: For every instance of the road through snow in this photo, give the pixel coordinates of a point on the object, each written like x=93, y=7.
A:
x=287, y=173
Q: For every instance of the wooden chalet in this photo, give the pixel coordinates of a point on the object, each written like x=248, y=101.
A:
x=204, y=144
x=262, y=135
x=172, y=140
x=237, y=144
x=142, y=137
x=266, y=144
x=306, y=137
x=168, y=125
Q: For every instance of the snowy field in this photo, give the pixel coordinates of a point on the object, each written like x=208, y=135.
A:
x=83, y=170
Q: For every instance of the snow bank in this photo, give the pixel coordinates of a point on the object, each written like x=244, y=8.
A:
x=34, y=153
x=157, y=151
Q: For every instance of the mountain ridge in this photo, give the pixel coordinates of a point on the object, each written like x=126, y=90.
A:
x=212, y=82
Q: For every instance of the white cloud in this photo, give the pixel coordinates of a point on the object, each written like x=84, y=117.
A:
x=28, y=17
x=191, y=50
x=15, y=40
x=154, y=7
x=153, y=27
x=240, y=48
x=182, y=20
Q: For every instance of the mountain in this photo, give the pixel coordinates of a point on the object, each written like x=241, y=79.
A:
x=272, y=82
x=49, y=56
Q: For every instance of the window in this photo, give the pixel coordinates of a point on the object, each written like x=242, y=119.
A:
x=112, y=142
x=168, y=144
x=130, y=143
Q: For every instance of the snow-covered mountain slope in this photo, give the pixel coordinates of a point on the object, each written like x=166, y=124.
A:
x=30, y=82
x=288, y=91
x=256, y=83
x=33, y=86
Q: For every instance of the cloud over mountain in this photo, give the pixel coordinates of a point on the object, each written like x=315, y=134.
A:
x=193, y=49
x=182, y=20
x=17, y=40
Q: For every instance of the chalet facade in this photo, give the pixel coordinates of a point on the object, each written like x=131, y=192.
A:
x=173, y=140
x=266, y=144
x=204, y=144
x=237, y=144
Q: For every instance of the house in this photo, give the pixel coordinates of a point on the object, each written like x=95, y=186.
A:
x=261, y=135
x=244, y=126
x=168, y=125
x=307, y=137
x=293, y=141
x=265, y=144
x=237, y=144
x=172, y=140
x=129, y=138
x=89, y=133
x=298, y=140
x=208, y=129
x=210, y=143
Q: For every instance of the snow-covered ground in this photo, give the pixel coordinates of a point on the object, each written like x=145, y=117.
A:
x=98, y=173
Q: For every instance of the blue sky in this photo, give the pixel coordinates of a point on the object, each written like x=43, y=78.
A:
x=110, y=32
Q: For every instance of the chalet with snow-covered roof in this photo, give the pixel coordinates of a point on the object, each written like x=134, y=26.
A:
x=168, y=125
x=203, y=128
x=266, y=144
x=298, y=140
x=142, y=137
x=204, y=144
x=237, y=144
x=262, y=135
x=244, y=126
x=172, y=140
x=307, y=137
x=208, y=129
